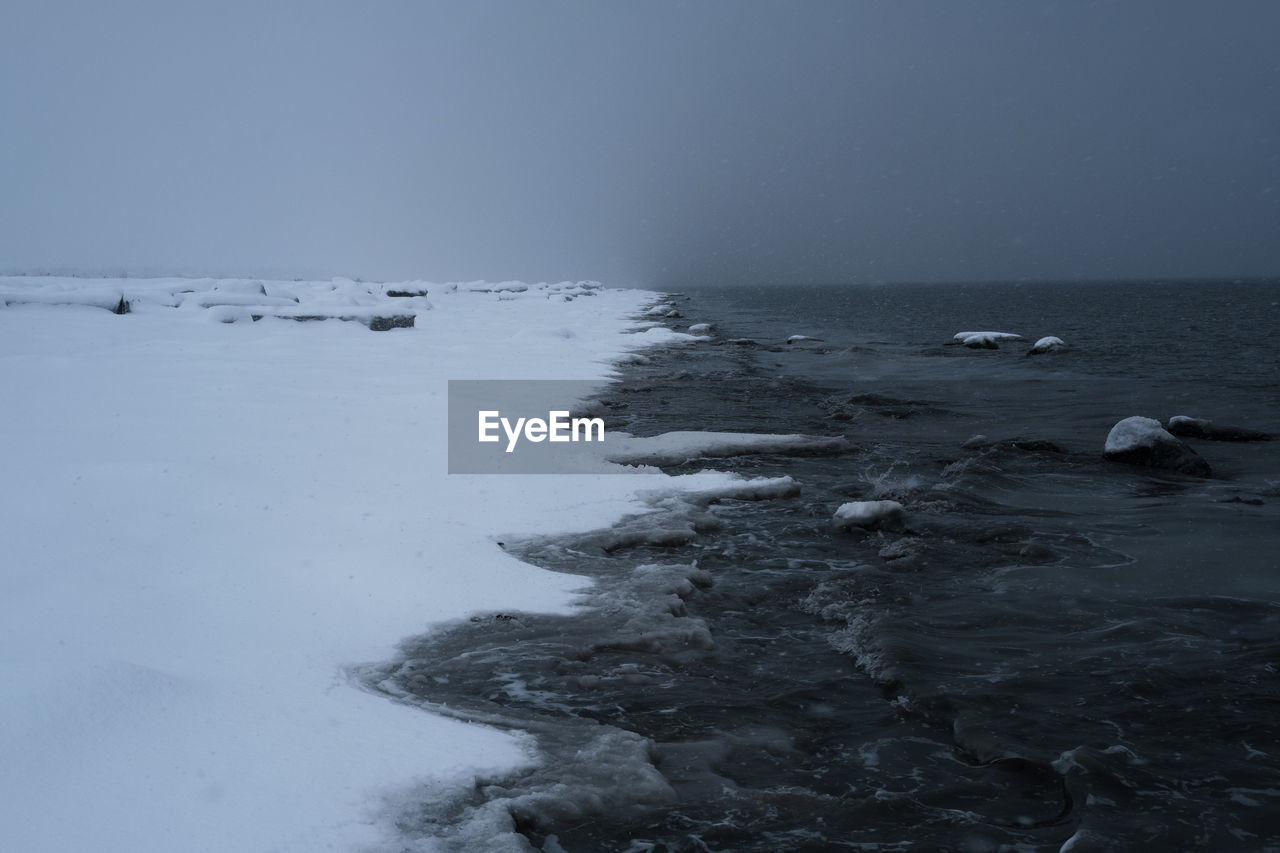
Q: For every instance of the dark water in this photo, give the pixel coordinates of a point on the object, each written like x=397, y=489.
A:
x=1055, y=649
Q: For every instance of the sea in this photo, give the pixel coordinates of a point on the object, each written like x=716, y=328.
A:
x=1048, y=651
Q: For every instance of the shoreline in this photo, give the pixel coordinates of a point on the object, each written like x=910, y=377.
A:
x=214, y=516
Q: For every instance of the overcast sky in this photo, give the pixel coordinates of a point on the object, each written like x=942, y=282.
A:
x=643, y=142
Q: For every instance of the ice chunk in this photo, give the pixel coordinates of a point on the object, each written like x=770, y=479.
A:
x=734, y=487
x=663, y=335
x=673, y=448
x=870, y=515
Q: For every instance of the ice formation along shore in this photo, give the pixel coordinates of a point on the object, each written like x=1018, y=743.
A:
x=215, y=506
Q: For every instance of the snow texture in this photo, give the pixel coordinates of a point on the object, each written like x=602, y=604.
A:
x=1049, y=343
x=1134, y=432
x=963, y=337
x=673, y=448
x=869, y=515
x=214, y=512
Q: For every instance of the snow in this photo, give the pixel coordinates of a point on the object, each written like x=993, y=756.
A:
x=867, y=514
x=964, y=337
x=798, y=339
x=208, y=523
x=1186, y=422
x=700, y=329
x=1135, y=432
x=1144, y=442
x=662, y=335
x=673, y=448
x=1049, y=343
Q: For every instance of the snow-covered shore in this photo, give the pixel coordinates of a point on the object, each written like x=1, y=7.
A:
x=210, y=510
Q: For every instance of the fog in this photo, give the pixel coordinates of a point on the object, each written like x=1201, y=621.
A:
x=643, y=143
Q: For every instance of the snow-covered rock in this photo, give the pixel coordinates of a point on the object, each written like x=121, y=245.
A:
x=1143, y=441
x=1049, y=343
x=870, y=515
x=700, y=329
x=981, y=342
x=985, y=340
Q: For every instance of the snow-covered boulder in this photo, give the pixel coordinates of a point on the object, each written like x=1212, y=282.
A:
x=870, y=515
x=1143, y=441
x=1201, y=428
x=998, y=336
x=985, y=340
x=700, y=329
x=1049, y=343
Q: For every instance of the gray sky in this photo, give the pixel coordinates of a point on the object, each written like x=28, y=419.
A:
x=643, y=143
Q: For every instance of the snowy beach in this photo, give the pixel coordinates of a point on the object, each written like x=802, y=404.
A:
x=211, y=511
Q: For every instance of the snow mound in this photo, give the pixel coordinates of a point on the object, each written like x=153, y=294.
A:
x=673, y=448
x=869, y=515
x=109, y=298
x=1143, y=441
x=700, y=329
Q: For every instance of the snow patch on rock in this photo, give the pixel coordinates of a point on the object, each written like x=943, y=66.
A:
x=869, y=515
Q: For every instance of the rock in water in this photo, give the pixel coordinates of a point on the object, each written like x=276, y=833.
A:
x=1142, y=441
x=1047, y=344
x=870, y=515
x=1201, y=428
